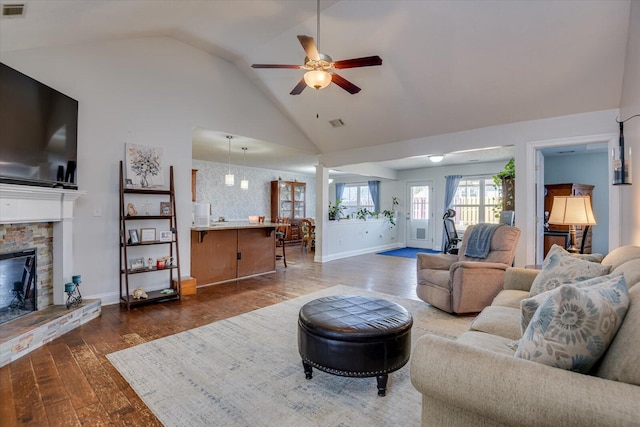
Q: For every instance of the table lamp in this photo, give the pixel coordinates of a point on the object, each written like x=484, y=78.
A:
x=572, y=211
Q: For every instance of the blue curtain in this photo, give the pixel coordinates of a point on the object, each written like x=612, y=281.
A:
x=449, y=192
x=339, y=190
x=374, y=190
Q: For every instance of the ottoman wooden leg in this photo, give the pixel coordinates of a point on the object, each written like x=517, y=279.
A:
x=382, y=384
x=307, y=370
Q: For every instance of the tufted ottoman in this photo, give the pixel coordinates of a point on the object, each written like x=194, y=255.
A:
x=354, y=336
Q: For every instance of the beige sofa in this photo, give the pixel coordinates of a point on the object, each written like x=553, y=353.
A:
x=476, y=380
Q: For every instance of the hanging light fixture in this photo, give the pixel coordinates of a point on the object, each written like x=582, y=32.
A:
x=244, y=182
x=229, y=179
x=621, y=157
x=318, y=78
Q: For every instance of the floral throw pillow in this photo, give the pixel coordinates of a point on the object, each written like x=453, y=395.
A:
x=573, y=327
x=559, y=268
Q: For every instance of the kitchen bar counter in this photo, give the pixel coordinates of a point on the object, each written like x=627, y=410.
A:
x=227, y=251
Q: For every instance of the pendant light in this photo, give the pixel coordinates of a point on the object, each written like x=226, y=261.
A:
x=244, y=182
x=228, y=179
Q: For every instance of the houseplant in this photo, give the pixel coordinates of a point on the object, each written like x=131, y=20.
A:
x=506, y=180
x=335, y=211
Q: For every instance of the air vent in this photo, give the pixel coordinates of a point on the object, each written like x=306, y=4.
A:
x=336, y=123
x=13, y=10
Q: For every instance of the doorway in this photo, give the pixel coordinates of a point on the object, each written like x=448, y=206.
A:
x=536, y=153
x=420, y=215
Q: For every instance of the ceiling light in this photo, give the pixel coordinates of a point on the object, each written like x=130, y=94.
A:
x=228, y=179
x=317, y=79
x=436, y=158
x=244, y=182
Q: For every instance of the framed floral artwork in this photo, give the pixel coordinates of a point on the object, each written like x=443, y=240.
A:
x=144, y=165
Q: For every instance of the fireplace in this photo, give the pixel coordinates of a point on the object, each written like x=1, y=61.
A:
x=37, y=208
x=18, y=284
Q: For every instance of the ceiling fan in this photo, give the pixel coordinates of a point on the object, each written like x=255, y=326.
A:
x=320, y=68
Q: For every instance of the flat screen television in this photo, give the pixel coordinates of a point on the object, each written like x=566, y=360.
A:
x=38, y=132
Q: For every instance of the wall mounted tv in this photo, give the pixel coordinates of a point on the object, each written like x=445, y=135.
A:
x=38, y=132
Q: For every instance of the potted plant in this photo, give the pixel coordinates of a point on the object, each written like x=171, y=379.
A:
x=505, y=179
x=390, y=216
x=335, y=211
x=363, y=213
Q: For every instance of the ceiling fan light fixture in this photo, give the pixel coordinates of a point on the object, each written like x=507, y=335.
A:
x=317, y=79
x=437, y=158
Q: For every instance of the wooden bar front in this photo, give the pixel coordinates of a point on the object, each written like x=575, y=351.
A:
x=232, y=251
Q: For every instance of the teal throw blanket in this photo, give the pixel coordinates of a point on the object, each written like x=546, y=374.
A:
x=479, y=241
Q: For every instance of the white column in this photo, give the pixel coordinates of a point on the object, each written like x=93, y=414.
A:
x=322, y=207
x=62, y=258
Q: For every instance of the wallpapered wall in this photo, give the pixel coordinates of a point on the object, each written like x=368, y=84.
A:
x=235, y=204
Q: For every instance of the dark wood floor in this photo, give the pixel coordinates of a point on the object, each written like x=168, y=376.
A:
x=70, y=382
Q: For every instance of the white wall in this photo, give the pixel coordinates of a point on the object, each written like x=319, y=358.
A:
x=629, y=106
x=235, y=204
x=351, y=237
x=150, y=91
x=517, y=134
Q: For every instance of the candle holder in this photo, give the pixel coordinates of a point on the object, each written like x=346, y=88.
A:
x=74, y=298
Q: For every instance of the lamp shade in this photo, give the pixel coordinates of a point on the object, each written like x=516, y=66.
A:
x=244, y=184
x=229, y=180
x=572, y=210
x=317, y=79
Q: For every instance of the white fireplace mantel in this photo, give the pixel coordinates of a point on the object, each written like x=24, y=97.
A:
x=28, y=204
x=24, y=203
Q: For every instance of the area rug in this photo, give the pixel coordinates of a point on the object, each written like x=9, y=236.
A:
x=407, y=252
x=246, y=371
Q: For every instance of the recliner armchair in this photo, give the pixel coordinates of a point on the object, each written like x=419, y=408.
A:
x=461, y=284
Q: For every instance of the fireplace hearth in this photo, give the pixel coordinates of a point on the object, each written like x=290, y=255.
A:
x=17, y=284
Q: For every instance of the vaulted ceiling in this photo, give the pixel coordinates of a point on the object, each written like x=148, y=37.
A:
x=447, y=65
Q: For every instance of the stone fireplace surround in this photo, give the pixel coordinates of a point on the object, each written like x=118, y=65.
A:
x=20, y=205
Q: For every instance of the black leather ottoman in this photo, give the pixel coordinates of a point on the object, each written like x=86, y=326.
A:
x=354, y=336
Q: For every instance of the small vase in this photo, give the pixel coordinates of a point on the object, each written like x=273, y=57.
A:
x=143, y=181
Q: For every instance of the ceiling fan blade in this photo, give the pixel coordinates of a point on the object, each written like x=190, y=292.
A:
x=299, y=87
x=296, y=67
x=310, y=48
x=344, y=84
x=367, y=61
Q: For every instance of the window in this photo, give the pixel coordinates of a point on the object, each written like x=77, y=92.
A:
x=475, y=202
x=356, y=196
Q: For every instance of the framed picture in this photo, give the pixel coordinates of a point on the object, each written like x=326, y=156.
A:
x=144, y=165
x=136, y=264
x=128, y=183
x=147, y=235
x=131, y=210
x=166, y=236
x=165, y=208
x=134, y=239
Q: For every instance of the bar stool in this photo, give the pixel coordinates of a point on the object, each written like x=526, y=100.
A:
x=281, y=237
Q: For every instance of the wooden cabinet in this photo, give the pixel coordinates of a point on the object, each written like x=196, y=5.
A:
x=289, y=200
x=228, y=254
x=132, y=244
x=569, y=189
